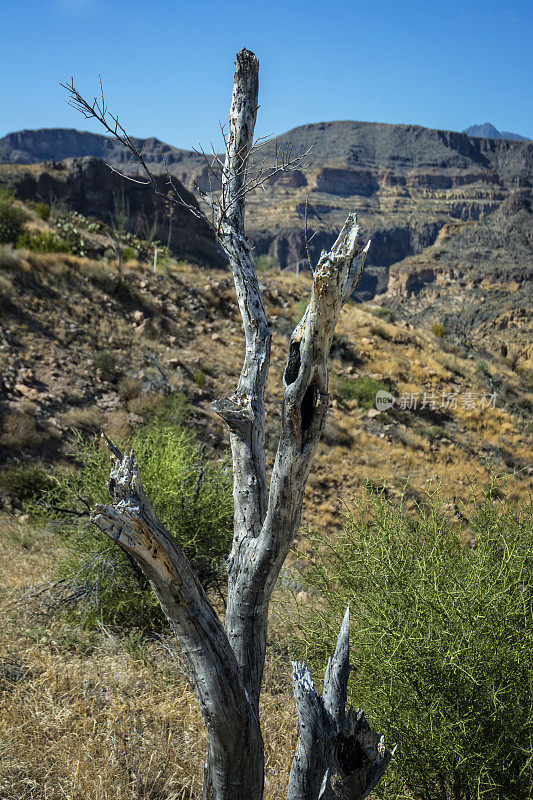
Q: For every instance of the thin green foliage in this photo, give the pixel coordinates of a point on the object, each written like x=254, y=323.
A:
x=12, y=219
x=190, y=492
x=266, y=263
x=41, y=209
x=363, y=389
x=442, y=639
x=43, y=242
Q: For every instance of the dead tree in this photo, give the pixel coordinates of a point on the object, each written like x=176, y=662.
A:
x=338, y=756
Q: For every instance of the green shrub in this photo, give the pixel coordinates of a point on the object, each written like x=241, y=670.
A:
x=172, y=409
x=385, y=313
x=165, y=264
x=439, y=330
x=105, y=361
x=41, y=209
x=199, y=378
x=128, y=253
x=267, y=263
x=362, y=389
x=433, y=432
x=23, y=483
x=192, y=496
x=43, y=242
x=442, y=640
x=12, y=220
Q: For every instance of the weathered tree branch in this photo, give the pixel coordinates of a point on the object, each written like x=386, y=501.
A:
x=98, y=110
x=244, y=412
x=235, y=743
x=304, y=412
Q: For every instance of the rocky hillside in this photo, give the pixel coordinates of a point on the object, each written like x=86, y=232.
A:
x=476, y=280
x=406, y=181
x=86, y=348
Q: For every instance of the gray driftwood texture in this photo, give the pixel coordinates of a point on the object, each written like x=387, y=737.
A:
x=338, y=755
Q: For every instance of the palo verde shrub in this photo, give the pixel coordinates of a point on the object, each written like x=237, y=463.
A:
x=442, y=640
x=191, y=494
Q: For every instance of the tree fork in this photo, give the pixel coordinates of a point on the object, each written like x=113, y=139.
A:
x=338, y=756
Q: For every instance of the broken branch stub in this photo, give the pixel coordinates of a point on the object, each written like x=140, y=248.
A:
x=339, y=756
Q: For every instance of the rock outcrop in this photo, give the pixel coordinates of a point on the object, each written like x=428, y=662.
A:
x=88, y=185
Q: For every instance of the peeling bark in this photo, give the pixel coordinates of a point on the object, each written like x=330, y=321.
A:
x=235, y=745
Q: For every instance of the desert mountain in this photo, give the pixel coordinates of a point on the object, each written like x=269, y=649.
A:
x=406, y=182
x=89, y=341
x=488, y=131
x=89, y=187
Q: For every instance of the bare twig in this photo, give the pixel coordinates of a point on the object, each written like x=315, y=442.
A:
x=98, y=110
x=250, y=178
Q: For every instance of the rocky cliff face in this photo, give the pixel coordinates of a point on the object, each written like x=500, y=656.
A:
x=476, y=281
x=88, y=185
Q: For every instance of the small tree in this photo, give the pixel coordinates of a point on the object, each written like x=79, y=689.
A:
x=338, y=755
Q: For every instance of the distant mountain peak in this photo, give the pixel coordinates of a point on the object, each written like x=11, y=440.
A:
x=488, y=131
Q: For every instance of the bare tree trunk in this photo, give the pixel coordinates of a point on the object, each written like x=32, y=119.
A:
x=338, y=756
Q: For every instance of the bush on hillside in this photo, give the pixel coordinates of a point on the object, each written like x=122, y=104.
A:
x=192, y=496
x=43, y=242
x=385, y=313
x=266, y=263
x=439, y=330
x=363, y=389
x=12, y=220
x=23, y=483
x=442, y=640
x=41, y=209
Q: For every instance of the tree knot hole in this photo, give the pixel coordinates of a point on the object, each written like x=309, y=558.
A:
x=293, y=363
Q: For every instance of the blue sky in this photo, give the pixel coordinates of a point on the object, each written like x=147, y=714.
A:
x=167, y=67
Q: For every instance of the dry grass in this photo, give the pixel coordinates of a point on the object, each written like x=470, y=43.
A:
x=19, y=431
x=86, y=714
